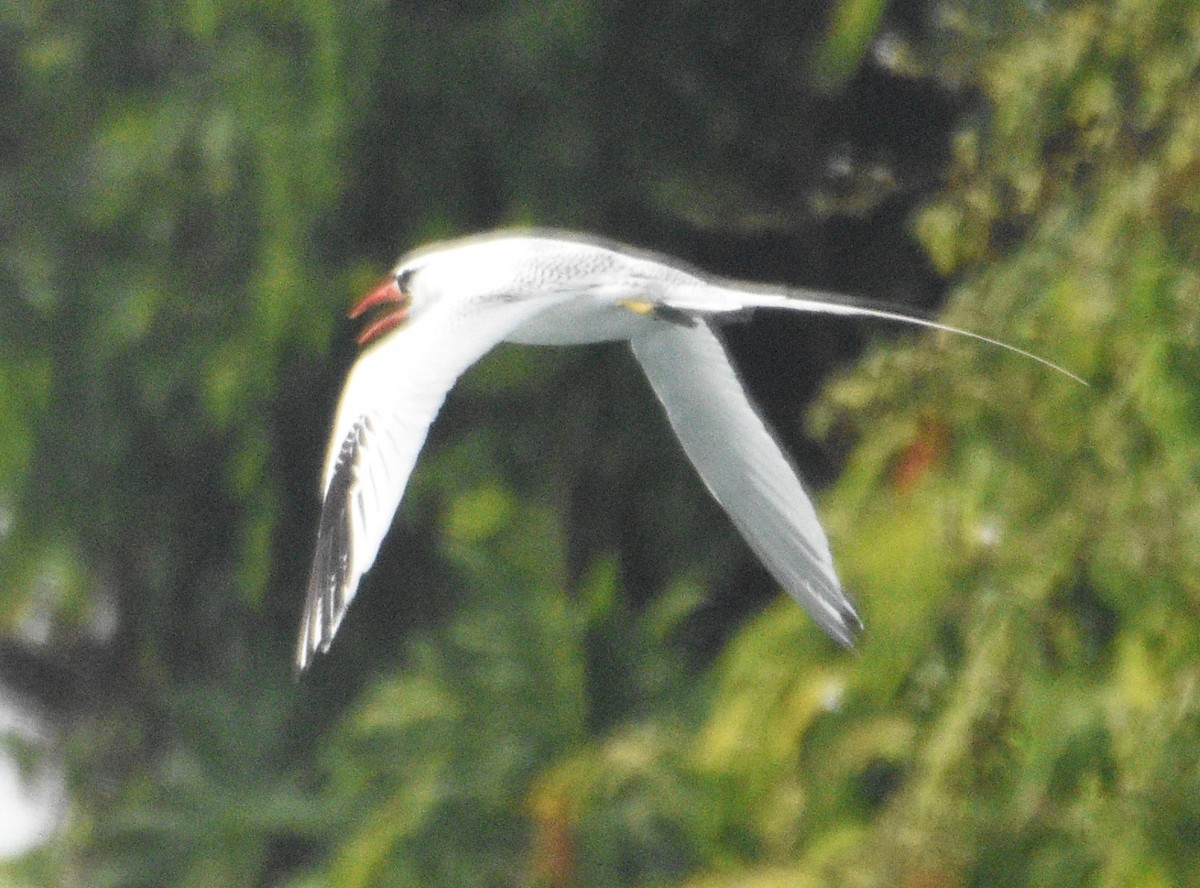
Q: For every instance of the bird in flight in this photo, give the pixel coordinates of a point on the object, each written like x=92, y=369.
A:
x=446, y=305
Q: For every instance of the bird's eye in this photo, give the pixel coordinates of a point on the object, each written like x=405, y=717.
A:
x=402, y=280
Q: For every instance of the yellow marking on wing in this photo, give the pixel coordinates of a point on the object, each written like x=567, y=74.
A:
x=641, y=306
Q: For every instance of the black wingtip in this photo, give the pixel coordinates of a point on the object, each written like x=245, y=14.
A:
x=841, y=622
x=327, y=598
x=852, y=623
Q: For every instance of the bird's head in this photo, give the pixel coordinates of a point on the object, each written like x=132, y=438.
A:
x=466, y=269
x=395, y=293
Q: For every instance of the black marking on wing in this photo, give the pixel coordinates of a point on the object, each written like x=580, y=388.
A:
x=674, y=315
x=846, y=631
x=327, y=584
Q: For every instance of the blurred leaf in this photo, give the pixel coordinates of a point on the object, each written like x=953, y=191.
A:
x=851, y=28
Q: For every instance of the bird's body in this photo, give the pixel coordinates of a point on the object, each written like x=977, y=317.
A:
x=453, y=302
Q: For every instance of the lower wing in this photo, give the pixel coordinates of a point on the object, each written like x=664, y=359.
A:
x=744, y=468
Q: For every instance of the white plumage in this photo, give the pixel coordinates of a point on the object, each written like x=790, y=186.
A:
x=452, y=303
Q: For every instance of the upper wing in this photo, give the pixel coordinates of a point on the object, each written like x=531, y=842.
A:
x=391, y=396
x=744, y=468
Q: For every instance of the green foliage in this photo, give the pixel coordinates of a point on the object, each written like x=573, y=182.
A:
x=445, y=754
x=519, y=697
x=1066, y=517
